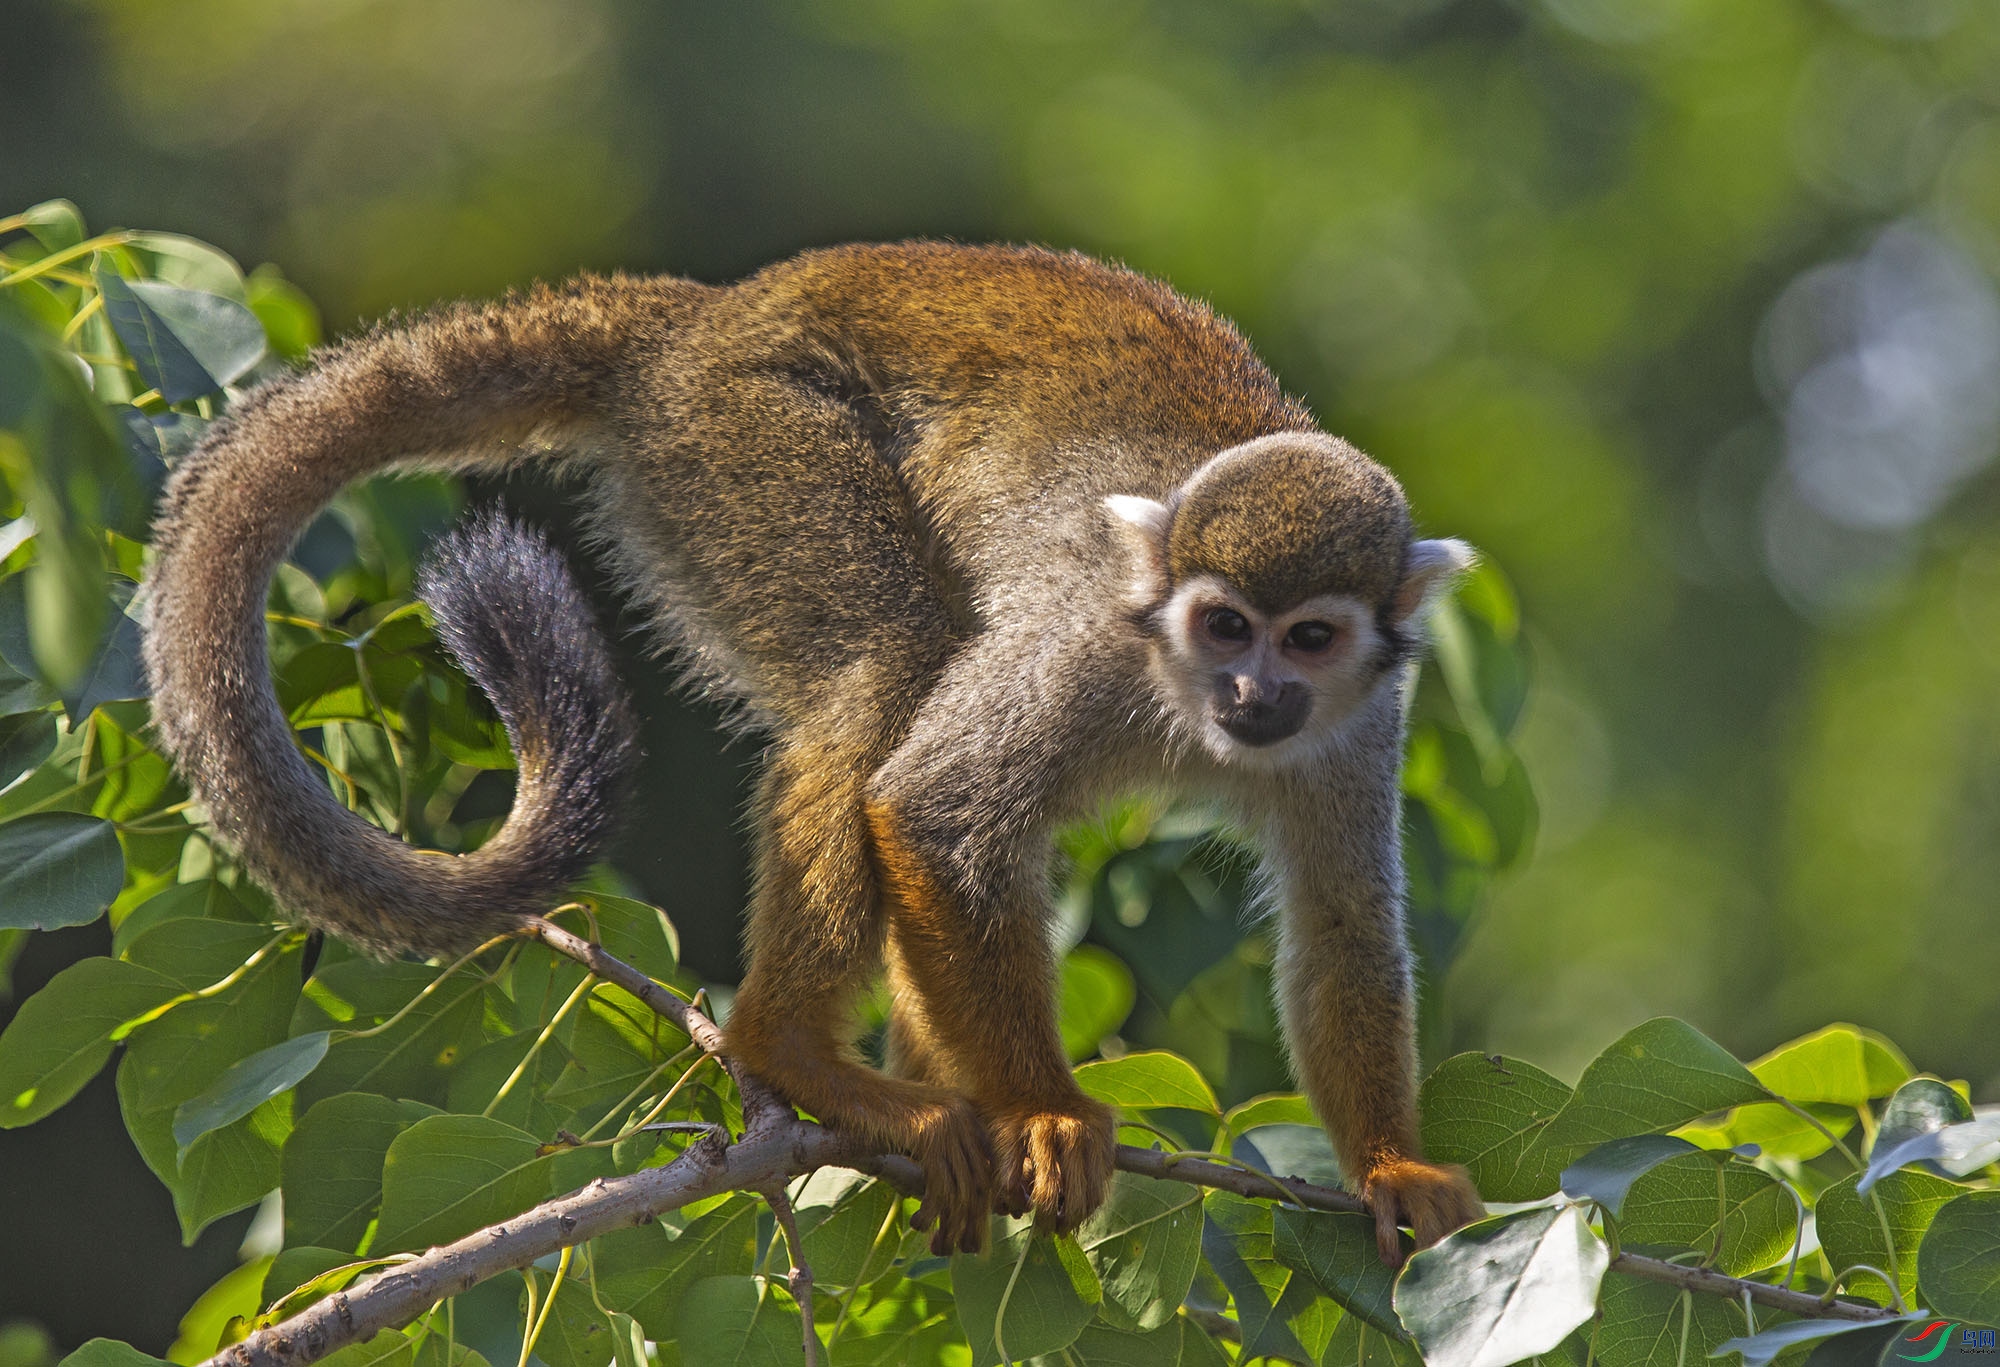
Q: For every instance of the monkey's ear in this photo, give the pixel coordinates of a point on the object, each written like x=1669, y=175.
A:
x=1141, y=526
x=1428, y=574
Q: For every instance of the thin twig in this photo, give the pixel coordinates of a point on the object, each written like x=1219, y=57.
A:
x=800, y=1279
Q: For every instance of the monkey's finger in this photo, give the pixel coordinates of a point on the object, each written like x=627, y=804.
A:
x=1387, y=1244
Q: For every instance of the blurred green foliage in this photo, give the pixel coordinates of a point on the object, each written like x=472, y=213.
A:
x=1569, y=266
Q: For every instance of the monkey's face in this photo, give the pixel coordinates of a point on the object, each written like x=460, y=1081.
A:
x=1259, y=687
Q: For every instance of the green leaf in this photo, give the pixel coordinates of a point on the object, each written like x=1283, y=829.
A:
x=110, y=1353
x=57, y=869
x=448, y=1175
x=1919, y=1106
x=1237, y=1242
x=178, y=1055
x=230, y=1168
x=202, y=899
x=1777, y=1131
x=116, y=671
x=291, y=320
x=1959, y=1150
x=186, y=343
x=1144, y=1244
x=1658, y=1076
x=644, y=1271
x=1850, y=1226
x=1022, y=1296
x=387, y=1349
x=1680, y=1202
x=1337, y=1250
x=1958, y=1263
x=639, y=933
x=1489, y=1113
x=1356, y=1344
x=577, y=1333
x=1503, y=1289
x=26, y=740
x=1608, y=1171
x=1095, y=997
x=188, y=262
x=1146, y=1080
x=1273, y=1108
x=1927, y=1122
x=478, y=1080
x=1640, y=1324
x=58, y=225
x=841, y=1216
x=333, y=1166
x=301, y=1264
x=414, y=1059
x=1177, y=1344
x=62, y=1035
x=248, y=1084
x=1759, y=1349
x=1843, y=1065
x=740, y=1322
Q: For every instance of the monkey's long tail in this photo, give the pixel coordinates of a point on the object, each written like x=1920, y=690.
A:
x=465, y=388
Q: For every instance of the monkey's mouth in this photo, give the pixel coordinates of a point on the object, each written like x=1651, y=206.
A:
x=1263, y=723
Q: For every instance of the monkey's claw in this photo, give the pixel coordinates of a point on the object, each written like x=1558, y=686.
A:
x=1054, y=1160
x=1433, y=1199
x=958, y=1179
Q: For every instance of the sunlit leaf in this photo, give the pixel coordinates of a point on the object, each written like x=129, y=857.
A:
x=1022, y=1296
x=1144, y=1243
x=61, y=1036
x=1503, y=1289
x=1489, y=1114
x=1148, y=1080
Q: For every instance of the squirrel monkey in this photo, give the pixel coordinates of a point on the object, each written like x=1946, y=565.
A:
x=979, y=536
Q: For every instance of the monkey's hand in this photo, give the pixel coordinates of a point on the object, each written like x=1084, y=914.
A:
x=1054, y=1158
x=1433, y=1199
x=949, y=1140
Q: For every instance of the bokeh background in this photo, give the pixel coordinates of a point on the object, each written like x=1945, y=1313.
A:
x=1685, y=311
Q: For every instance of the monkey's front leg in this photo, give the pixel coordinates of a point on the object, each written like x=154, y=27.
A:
x=1345, y=989
x=975, y=1002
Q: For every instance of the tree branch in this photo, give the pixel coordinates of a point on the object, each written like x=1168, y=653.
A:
x=775, y=1147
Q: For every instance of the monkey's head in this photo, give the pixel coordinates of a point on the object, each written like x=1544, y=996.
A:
x=1280, y=588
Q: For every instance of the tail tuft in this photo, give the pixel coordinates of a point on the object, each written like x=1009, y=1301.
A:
x=511, y=614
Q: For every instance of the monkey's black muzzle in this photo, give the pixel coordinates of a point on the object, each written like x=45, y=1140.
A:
x=1253, y=717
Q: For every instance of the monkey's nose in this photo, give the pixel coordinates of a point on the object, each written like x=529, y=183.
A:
x=1258, y=715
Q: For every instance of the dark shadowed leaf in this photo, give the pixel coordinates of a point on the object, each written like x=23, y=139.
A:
x=1025, y=1295
x=62, y=1035
x=1640, y=1324
x=740, y=1322
x=1237, y=1243
x=333, y=1166
x=1759, y=1349
x=1958, y=1264
x=57, y=869
x=1337, y=1250
x=186, y=342
x=248, y=1084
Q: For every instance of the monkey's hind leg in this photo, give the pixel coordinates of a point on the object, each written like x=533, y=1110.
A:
x=815, y=939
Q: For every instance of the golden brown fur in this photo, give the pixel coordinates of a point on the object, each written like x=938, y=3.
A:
x=865, y=492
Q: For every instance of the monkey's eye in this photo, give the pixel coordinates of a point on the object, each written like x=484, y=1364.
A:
x=1311, y=637
x=1227, y=624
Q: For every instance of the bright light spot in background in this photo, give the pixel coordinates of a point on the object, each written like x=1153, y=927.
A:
x=1884, y=369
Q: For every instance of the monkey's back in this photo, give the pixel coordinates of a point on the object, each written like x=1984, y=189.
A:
x=996, y=381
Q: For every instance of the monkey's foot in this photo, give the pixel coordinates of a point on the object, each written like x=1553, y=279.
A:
x=949, y=1139
x=1054, y=1159
x=1433, y=1199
